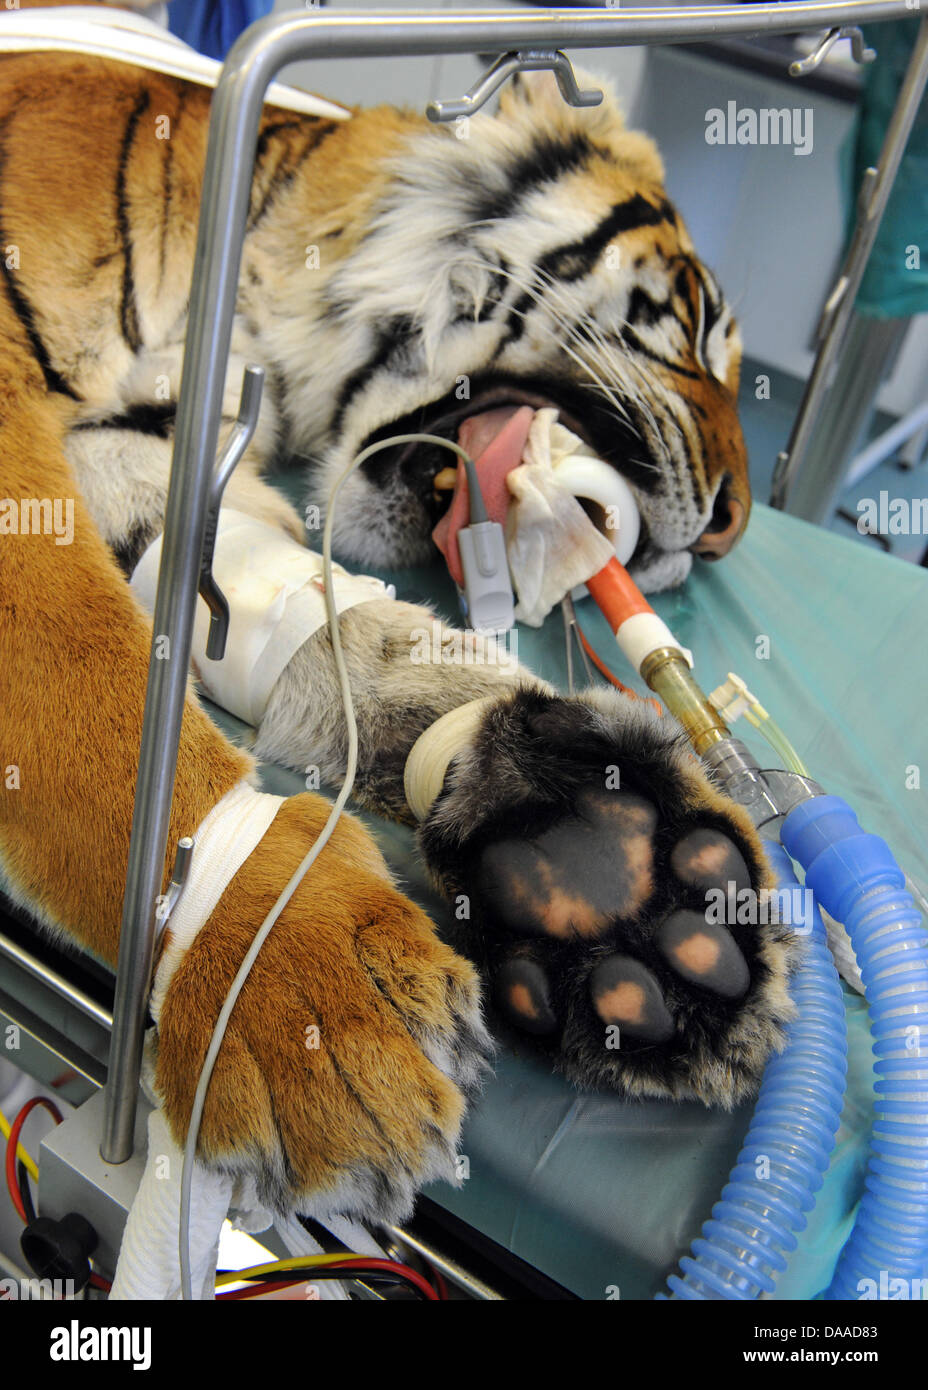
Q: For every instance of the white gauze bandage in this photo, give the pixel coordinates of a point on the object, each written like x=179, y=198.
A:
x=224, y=840
x=274, y=588
x=552, y=545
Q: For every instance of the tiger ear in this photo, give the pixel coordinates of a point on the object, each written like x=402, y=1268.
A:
x=535, y=98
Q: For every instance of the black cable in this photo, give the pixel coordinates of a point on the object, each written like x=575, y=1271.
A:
x=22, y=1182
x=312, y=1274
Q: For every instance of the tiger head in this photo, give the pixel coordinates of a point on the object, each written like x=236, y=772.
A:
x=528, y=257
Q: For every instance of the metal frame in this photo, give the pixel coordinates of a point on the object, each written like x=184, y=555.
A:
x=236, y=108
x=832, y=331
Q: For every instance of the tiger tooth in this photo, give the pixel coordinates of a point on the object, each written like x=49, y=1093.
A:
x=445, y=480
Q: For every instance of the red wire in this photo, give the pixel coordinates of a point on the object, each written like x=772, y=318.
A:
x=98, y=1282
x=438, y=1280
x=13, y=1141
x=360, y=1265
x=254, y=1289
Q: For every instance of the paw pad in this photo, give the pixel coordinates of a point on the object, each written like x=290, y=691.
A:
x=522, y=995
x=570, y=880
x=626, y=993
x=591, y=894
x=703, y=953
x=707, y=859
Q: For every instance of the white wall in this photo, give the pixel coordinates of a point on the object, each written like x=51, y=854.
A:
x=416, y=81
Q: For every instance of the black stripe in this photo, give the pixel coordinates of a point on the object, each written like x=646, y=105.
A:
x=286, y=170
x=573, y=261
x=642, y=307
x=690, y=469
x=684, y=290
x=515, y=321
x=128, y=310
x=129, y=550
x=54, y=380
x=274, y=128
x=547, y=161
x=632, y=339
x=394, y=333
x=144, y=418
x=362, y=1105
x=167, y=186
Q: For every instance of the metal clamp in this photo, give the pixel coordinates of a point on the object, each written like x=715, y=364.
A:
x=571, y=635
x=179, y=875
x=242, y=434
x=506, y=66
x=859, y=51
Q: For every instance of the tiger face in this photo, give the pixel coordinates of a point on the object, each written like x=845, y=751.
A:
x=530, y=257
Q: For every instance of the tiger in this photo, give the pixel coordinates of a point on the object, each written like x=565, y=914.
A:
x=539, y=259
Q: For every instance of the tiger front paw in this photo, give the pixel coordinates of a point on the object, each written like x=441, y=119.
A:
x=341, y=1083
x=598, y=864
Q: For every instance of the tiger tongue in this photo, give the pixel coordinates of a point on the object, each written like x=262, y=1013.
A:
x=495, y=440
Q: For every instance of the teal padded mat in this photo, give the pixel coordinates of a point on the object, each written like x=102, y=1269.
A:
x=605, y=1195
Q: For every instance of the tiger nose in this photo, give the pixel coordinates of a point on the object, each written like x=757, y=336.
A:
x=728, y=521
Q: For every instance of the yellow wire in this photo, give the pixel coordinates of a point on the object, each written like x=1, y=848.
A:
x=21, y=1154
x=282, y=1266
x=777, y=740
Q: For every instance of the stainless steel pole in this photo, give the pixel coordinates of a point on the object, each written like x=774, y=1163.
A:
x=874, y=196
x=236, y=107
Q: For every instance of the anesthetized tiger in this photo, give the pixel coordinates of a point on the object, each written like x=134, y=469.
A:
x=540, y=260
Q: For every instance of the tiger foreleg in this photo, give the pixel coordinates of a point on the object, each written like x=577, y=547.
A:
x=340, y=1082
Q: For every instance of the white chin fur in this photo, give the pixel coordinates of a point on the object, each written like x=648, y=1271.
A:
x=664, y=572
x=363, y=533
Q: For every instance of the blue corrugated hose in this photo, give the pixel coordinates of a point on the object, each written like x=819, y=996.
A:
x=782, y=1164
x=744, y=1244
x=857, y=880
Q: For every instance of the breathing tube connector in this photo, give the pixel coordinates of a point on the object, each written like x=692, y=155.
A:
x=655, y=653
x=857, y=880
x=667, y=672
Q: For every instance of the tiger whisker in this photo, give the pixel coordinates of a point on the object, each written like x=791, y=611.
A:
x=568, y=328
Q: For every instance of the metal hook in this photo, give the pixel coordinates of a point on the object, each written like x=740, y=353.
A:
x=572, y=631
x=238, y=441
x=859, y=52
x=179, y=876
x=506, y=66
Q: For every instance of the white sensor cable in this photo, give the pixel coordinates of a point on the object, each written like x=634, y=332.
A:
x=235, y=989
